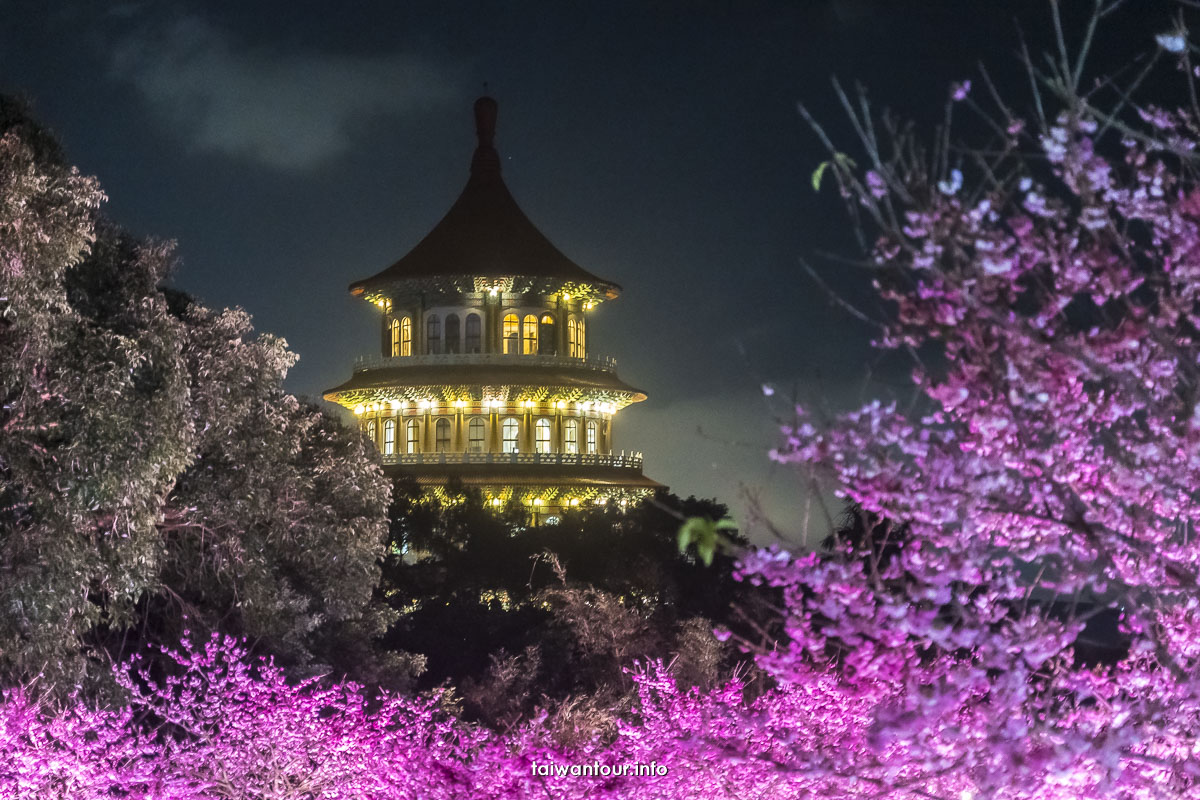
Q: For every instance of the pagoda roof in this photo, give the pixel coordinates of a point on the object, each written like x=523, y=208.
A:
x=485, y=234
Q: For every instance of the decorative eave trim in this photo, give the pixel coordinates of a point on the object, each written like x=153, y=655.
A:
x=400, y=291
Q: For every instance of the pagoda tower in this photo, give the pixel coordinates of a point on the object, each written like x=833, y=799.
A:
x=485, y=372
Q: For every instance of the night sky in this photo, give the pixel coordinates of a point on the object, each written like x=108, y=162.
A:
x=291, y=148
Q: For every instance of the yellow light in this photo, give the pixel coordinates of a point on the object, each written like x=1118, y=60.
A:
x=537, y=501
x=574, y=501
x=496, y=501
x=566, y=296
x=379, y=302
x=394, y=404
x=358, y=409
x=560, y=404
x=459, y=403
x=492, y=291
x=424, y=405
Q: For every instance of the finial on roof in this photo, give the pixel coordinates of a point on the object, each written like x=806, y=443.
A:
x=486, y=158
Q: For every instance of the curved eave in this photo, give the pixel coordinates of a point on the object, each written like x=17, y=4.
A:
x=534, y=475
x=457, y=382
x=395, y=289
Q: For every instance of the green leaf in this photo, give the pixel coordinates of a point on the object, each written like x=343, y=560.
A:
x=841, y=160
x=705, y=534
x=819, y=173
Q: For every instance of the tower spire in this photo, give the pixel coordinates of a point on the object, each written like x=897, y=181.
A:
x=486, y=159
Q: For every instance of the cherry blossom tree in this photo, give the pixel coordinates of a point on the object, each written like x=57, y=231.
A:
x=1047, y=282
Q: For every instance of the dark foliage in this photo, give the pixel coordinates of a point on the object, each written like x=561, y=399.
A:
x=553, y=611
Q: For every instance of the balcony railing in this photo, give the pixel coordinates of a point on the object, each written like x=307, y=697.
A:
x=599, y=363
x=623, y=461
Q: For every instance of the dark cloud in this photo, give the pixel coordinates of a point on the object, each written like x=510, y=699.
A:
x=286, y=110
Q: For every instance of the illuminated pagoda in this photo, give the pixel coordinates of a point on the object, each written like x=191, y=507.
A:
x=485, y=372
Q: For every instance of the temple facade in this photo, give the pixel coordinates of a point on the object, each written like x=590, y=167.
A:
x=485, y=371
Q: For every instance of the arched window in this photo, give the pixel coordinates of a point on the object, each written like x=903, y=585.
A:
x=582, y=341
x=406, y=336
x=541, y=436
x=474, y=343
x=371, y=429
x=571, y=436
x=389, y=437
x=412, y=437
x=531, y=338
x=509, y=431
x=591, y=437
x=442, y=435
x=512, y=334
x=433, y=334
x=572, y=338
x=452, y=333
x=394, y=331
x=475, y=434
x=547, y=341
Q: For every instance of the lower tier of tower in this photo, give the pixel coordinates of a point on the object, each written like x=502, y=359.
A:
x=544, y=484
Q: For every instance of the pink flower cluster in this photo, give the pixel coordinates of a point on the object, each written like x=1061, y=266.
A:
x=1050, y=476
x=224, y=726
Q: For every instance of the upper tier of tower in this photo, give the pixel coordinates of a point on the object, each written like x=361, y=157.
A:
x=485, y=242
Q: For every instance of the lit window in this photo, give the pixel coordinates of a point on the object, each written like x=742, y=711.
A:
x=412, y=437
x=531, y=335
x=389, y=437
x=371, y=429
x=452, y=333
x=547, y=341
x=571, y=437
x=591, y=437
x=433, y=334
x=572, y=338
x=509, y=432
x=542, y=436
x=474, y=345
x=512, y=334
x=442, y=435
x=475, y=434
x=394, y=330
x=406, y=336
x=581, y=344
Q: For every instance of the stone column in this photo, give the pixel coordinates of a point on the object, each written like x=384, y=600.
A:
x=488, y=323
x=560, y=329
x=418, y=339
